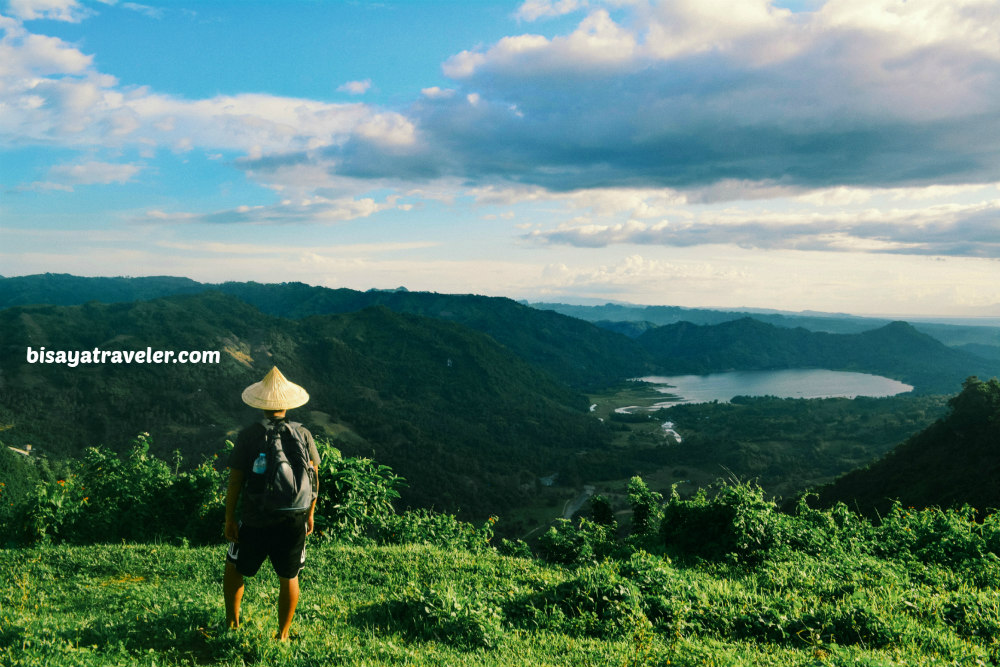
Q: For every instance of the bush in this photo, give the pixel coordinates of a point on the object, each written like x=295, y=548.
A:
x=356, y=495
x=427, y=527
x=567, y=544
x=647, y=511
x=445, y=614
x=659, y=586
x=106, y=497
x=946, y=537
x=597, y=602
x=737, y=521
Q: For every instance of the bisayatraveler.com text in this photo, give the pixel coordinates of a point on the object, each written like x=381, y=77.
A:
x=73, y=358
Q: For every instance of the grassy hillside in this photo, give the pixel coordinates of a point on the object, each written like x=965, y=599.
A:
x=589, y=357
x=835, y=593
x=722, y=578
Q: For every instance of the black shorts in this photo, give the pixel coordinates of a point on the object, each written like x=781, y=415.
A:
x=284, y=543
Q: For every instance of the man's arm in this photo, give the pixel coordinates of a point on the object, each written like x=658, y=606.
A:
x=312, y=507
x=232, y=497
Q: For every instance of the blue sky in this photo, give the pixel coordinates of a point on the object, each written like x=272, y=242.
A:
x=839, y=156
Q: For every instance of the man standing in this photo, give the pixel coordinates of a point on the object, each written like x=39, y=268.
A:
x=274, y=467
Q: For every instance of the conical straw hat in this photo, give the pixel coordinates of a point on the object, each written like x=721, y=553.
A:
x=274, y=392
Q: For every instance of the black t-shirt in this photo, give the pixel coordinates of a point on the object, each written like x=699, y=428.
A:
x=249, y=443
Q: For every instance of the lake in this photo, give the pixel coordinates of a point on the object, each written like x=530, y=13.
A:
x=791, y=383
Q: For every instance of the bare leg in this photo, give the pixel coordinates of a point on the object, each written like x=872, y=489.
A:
x=232, y=587
x=288, y=599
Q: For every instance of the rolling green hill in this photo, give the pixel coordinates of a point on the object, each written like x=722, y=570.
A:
x=466, y=421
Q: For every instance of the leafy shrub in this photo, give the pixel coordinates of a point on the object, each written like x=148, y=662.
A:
x=514, y=548
x=737, y=521
x=427, y=527
x=947, y=537
x=48, y=513
x=596, y=602
x=647, y=512
x=602, y=513
x=356, y=494
x=444, y=614
x=107, y=497
x=658, y=585
x=567, y=544
x=18, y=478
x=824, y=532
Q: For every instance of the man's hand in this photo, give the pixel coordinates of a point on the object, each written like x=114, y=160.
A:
x=309, y=524
x=232, y=530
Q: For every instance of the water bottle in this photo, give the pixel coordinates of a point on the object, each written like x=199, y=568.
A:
x=260, y=465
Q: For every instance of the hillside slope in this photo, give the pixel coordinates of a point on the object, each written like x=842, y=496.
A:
x=465, y=420
x=953, y=462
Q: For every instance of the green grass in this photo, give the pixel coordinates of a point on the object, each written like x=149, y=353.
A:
x=421, y=605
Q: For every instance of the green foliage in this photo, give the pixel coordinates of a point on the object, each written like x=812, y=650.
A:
x=833, y=589
x=18, y=478
x=945, y=465
x=646, y=507
x=789, y=445
x=568, y=544
x=735, y=522
x=595, y=602
x=107, y=497
x=602, y=512
x=465, y=419
x=462, y=619
x=356, y=494
x=434, y=528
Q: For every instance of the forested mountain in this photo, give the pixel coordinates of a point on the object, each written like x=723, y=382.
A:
x=470, y=398
x=63, y=289
x=633, y=320
x=465, y=420
x=579, y=353
x=896, y=350
x=953, y=462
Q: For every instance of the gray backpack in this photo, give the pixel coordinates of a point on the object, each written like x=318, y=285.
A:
x=282, y=480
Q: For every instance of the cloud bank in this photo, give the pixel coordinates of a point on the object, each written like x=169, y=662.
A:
x=643, y=108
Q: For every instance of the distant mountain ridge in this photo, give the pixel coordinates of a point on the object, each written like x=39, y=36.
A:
x=896, y=350
x=580, y=353
x=632, y=320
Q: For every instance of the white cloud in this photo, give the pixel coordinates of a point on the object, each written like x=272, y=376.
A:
x=90, y=173
x=56, y=10
x=533, y=10
x=971, y=229
x=598, y=42
x=355, y=87
x=151, y=12
x=309, y=211
x=435, y=92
